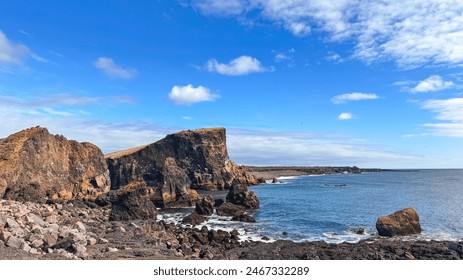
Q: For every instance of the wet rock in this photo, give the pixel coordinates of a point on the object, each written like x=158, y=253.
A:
x=244, y=218
x=403, y=222
x=240, y=195
x=194, y=219
x=230, y=209
x=132, y=205
x=205, y=206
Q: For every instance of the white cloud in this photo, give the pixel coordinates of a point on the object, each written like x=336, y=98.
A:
x=410, y=32
x=345, y=116
x=449, y=113
x=11, y=53
x=334, y=57
x=309, y=149
x=432, y=83
x=187, y=95
x=242, y=65
x=112, y=70
x=354, y=96
x=220, y=7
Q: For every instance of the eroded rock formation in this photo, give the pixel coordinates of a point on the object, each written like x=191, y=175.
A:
x=403, y=222
x=178, y=164
x=35, y=165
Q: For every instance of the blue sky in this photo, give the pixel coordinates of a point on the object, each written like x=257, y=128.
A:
x=349, y=82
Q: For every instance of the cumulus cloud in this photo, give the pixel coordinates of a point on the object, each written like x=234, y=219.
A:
x=354, y=96
x=242, y=65
x=112, y=70
x=432, y=83
x=411, y=32
x=187, y=95
x=345, y=116
x=11, y=53
x=449, y=116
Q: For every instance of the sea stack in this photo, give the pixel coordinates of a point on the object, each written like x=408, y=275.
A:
x=177, y=165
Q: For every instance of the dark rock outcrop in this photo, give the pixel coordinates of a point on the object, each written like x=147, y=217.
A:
x=244, y=218
x=194, y=219
x=132, y=205
x=35, y=164
x=184, y=160
x=230, y=209
x=240, y=195
x=205, y=206
x=403, y=222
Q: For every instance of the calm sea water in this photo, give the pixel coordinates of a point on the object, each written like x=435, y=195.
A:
x=334, y=207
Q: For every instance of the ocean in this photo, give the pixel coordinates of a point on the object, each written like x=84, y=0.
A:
x=344, y=207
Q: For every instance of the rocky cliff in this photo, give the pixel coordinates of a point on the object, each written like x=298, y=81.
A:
x=35, y=165
x=191, y=159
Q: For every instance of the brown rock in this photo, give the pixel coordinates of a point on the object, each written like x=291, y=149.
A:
x=134, y=204
x=35, y=164
x=403, y=222
x=194, y=219
x=205, y=206
x=240, y=195
x=172, y=165
x=230, y=209
x=244, y=218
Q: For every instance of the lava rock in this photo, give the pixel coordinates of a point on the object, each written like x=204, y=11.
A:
x=230, y=209
x=403, y=222
x=244, y=218
x=205, y=206
x=240, y=195
x=132, y=205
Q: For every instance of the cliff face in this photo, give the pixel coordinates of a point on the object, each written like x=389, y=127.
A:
x=35, y=164
x=196, y=159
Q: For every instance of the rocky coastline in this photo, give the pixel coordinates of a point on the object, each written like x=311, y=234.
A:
x=80, y=230
x=60, y=199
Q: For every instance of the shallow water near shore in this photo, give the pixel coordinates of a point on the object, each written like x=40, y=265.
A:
x=344, y=207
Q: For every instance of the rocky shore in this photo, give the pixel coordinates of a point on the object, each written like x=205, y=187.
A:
x=60, y=199
x=79, y=230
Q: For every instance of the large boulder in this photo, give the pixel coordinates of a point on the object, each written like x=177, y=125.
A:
x=132, y=205
x=205, y=206
x=35, y=165
x=403, y=222
x=240, y=195
x=191, y=159
x=230, y=209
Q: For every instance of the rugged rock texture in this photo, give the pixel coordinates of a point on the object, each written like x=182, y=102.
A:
x=35, y=165
x=205, y=206
x=240, y=195
x=194, y=219
x=196, y=159
x=230, y=209
x=403, y=222
x=132, y=205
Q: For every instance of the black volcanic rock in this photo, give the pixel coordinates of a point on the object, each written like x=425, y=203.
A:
x=132, y=205
x=205, y=206
x=196, y=159
x=240, y=195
